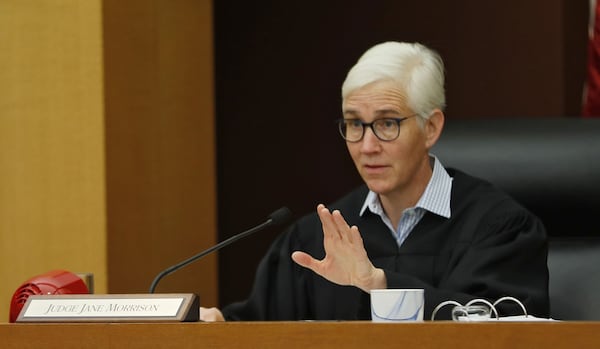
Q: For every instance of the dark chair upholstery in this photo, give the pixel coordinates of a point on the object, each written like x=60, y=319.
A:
x=574, y=265
x=552, y=166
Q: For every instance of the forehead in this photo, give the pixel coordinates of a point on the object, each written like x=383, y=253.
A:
x=380, y=95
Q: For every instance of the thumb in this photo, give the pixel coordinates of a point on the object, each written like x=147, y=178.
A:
x=303, y=259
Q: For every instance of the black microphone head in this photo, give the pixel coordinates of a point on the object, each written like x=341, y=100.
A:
x=280, y=216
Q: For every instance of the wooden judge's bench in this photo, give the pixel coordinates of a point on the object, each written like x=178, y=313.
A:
x=305, y=335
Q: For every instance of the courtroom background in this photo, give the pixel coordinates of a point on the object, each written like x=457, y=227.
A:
x=134, y=134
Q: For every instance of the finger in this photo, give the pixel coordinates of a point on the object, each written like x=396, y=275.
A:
x=354, y=235
x=341, y=226
x=329, y=227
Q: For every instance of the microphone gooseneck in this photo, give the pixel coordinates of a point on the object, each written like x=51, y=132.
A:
x=279, y=216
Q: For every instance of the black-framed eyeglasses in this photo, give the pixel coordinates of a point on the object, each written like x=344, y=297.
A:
x=386, y=129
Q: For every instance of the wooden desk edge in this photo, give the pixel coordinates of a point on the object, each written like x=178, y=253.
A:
x=302, y=334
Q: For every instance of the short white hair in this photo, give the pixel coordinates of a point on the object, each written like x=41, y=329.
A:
x=417, y=69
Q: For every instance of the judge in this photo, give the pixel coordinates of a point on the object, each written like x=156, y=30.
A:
x=413, y=224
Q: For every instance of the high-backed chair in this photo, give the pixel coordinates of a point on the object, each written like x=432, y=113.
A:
x=552, y=166
x=574, y=264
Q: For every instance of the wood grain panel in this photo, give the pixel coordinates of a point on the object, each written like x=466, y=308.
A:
x=313, y=335
x=51, y=141
x=160, y=144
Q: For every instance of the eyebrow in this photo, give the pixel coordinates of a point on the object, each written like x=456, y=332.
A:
x=378, y=113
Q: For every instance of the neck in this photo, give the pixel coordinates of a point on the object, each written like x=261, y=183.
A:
x=394, y=203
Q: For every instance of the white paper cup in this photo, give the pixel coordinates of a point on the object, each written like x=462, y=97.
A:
x=392, y=305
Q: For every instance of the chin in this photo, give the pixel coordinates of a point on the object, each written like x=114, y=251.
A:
x=379, y=188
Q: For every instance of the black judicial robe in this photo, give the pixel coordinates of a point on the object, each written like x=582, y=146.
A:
x=490, y=247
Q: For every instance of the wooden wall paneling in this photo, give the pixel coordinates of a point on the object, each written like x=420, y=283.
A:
x=107, y=160
x=52, y=208
x=160, y=152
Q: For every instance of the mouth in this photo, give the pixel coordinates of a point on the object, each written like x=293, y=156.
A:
x=374, y=169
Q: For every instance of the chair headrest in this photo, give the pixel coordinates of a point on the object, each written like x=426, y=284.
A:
x=551, y=165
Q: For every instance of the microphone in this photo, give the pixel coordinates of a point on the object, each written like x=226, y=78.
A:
x=280, y=216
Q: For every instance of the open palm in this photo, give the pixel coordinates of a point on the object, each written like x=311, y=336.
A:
x=346, y=261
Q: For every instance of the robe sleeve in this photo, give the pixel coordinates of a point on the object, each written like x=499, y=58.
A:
x=277, y=292
x=507, y=257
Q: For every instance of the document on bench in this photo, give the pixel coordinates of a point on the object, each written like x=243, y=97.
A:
x=516, y=318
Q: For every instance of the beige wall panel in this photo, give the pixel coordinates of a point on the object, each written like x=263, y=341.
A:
x=52, y=208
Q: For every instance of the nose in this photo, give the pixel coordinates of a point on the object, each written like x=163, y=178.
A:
x=370, y=142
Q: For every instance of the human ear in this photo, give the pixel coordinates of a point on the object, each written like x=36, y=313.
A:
x=433, y=127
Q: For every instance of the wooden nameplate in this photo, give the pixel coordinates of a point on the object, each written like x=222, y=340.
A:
x=172, y=307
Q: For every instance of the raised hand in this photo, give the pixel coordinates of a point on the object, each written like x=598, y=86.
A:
x=346, y=261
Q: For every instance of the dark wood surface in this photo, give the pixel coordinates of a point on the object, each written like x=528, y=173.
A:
x=305, y=335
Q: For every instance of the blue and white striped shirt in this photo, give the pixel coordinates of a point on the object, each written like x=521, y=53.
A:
x=435, y=199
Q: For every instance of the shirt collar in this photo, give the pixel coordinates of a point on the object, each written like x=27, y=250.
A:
x=435, y=198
